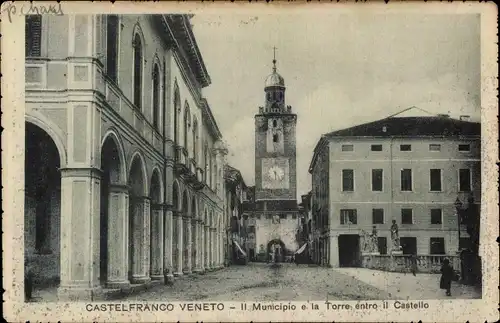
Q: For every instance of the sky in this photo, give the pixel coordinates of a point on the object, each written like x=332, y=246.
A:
x=340, y=70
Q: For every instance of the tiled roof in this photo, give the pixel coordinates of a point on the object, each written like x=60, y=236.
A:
x=411, y=127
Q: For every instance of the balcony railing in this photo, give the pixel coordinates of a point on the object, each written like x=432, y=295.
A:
x=181, y=160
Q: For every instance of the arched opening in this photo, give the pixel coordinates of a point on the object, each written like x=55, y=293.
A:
x=276, y=250
x=194, y=247
x=111, y=170
x=156, y=97
x=137, y=84
x=175, y=233
x=177, y=109
x=185, y=232
x=136, y=221
x=195, y=141
x=42, y=207
x=156, y=228
x=187, y=124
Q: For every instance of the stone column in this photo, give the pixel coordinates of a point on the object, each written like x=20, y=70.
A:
x=187, y=248
x=219, y=246
x=118, y=226
x=194, y=249
x=207, y=249
x=157, y=242
x=213, y=248
x=80, y=232
x=140, y=249
x=168, y=244
x=202, y=246
x=334, y=250
x=221, y=249
x=179, y=249
x=198, y=247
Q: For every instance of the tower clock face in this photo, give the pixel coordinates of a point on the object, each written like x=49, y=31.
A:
x=276, y=173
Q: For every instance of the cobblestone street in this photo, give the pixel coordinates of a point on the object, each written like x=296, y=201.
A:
x=260, y=282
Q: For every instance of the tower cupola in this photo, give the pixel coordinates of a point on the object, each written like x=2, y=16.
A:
x=275, y=91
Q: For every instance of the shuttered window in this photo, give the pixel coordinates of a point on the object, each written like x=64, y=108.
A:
x=33, y=38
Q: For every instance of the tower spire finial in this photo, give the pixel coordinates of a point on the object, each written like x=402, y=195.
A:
x=274, y=58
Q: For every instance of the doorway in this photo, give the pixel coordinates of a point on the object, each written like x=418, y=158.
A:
x=409, y=245
x=276, y=251
x=349, y=254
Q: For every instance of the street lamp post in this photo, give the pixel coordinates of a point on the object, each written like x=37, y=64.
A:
x=458, y=208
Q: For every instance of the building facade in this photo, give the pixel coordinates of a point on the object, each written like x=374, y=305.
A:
x=124, y=159
x=275, y=211
x=235, y=190
x=411, y=171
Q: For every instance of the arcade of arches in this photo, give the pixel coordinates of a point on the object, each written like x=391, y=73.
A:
x=89, y=229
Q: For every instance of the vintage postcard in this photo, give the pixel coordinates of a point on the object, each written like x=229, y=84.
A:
x=249, y=161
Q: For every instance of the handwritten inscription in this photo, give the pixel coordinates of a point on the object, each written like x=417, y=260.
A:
x=13, y=9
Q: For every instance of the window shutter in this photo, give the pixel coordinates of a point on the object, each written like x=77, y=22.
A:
x=33, y=37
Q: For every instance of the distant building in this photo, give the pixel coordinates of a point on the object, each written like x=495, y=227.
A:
x=411, y=170
x=235, y=196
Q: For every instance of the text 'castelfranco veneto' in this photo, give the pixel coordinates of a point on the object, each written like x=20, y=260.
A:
x=256, y=307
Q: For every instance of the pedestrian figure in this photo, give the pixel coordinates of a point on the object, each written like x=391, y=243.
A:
x=446, y=276
x=413, y=260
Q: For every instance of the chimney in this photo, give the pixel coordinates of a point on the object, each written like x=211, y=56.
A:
x=464, y=118
x=443, y=115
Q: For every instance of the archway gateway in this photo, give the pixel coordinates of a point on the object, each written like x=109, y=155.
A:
x=42, y=211
x=276, y=250
x=113, y=210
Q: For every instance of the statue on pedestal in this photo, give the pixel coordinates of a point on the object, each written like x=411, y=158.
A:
x=369, y=241
x=396, y=245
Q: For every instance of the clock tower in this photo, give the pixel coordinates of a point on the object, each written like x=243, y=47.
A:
x=275, y=148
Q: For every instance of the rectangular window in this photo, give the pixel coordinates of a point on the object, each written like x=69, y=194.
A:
x=275, y=137
x=378, y=216
x=382, y=245
x=348, y=216
x=347, y=147
x=435, y=147
x=435, y=180
x=347, y=180
x=376, y=147
x=464, y=180
x=436, y=216
x=33, y=36
x=409, y=245
x=112, y=46
x=464, y=147
x=406, y=216
x=405, y=147
x=437, y=246
x=377, y=180
x=406, y=181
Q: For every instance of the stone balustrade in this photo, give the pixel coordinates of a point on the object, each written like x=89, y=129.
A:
x=403, y=263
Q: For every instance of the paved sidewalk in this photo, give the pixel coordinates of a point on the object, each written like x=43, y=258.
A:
x=407, y=286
